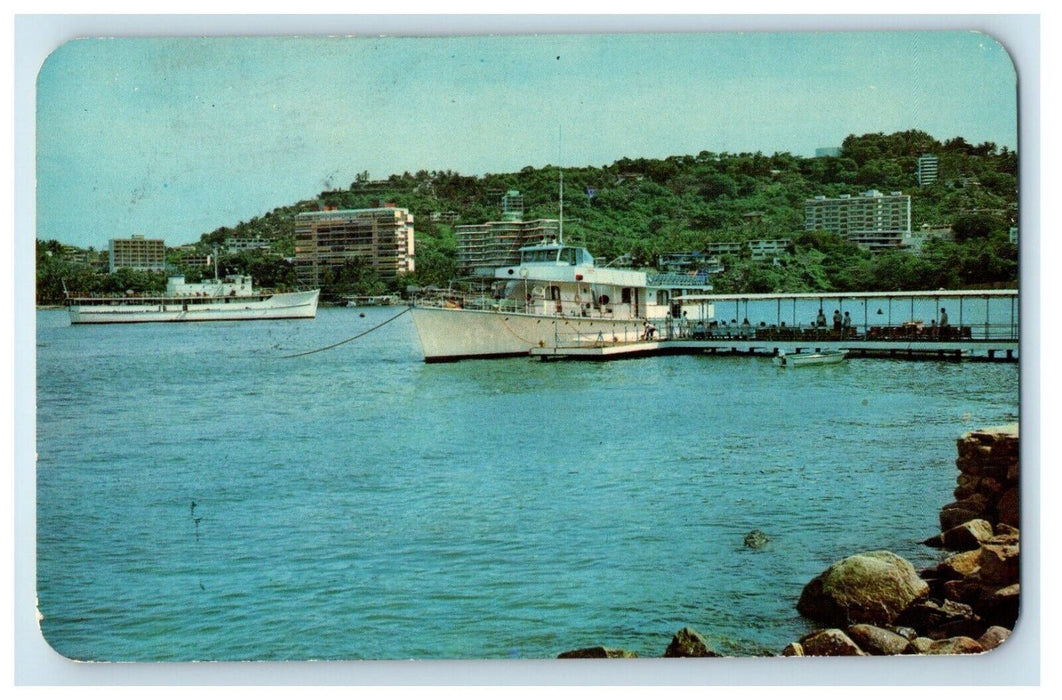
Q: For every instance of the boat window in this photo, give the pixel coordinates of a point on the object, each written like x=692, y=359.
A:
x=554, y=293
x=568, y=256
x=625, y=295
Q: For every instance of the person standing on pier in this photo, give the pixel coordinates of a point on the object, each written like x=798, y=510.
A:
x=846, y=325
x=821, y=320
x=837, y=320
x=943, y=323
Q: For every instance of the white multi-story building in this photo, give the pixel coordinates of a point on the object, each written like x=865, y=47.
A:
x=237, y=245
x=483, y=247
x=138, y=253
x=928, y=169
x=872, y=220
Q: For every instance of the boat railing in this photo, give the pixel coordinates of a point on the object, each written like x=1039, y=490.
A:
x=535, y=305
x=898, y=333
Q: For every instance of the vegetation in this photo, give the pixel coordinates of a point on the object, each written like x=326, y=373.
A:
x=649, y=206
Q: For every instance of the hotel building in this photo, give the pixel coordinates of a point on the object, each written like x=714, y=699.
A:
x=138, y=253
x=382, y=237
x=873, y=220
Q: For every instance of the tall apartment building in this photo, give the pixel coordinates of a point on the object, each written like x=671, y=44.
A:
x=483, y=247
x=138, y=253
x=928, y=169
x=512, y=206
x=873, y=220
x=328, y=239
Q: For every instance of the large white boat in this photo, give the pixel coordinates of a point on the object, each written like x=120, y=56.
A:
x=556, y=296
x=232, y=299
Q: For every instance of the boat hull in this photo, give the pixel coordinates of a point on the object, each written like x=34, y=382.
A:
x=292, y=305
x=447, y=335
x=808, y=359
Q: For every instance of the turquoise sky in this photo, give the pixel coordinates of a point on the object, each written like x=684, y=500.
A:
x=173, y=138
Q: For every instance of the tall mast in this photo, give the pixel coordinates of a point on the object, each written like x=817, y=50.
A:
x=560, y=156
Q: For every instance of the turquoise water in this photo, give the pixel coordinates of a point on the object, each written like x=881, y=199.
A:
x=360, y=504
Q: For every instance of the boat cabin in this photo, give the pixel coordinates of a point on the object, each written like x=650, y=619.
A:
x=555, y=254
x=231, y=286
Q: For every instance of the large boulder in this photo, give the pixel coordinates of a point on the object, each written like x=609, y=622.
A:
x=688, y=643
x=872, y=588
x=830, y=642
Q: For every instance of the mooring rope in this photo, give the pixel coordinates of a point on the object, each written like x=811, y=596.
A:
x=359, y=335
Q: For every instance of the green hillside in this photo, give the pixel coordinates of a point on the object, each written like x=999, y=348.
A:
x=648, y=206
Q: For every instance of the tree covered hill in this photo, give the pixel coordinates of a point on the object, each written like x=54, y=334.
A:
x=645, y=207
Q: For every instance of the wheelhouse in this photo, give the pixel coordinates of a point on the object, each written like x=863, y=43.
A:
x=554, y=254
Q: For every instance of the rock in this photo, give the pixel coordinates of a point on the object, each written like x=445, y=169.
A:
x=936, y=541
x=1001, y=607
x=966, y=485
x=688, y=642
x=960, y=565
x=1008, y=509
x=873, y=587
x=793, y=649
x=756, y=540
x=999, y=564
x=993, y=637
x=877, y=641
x=920, y=645
x=1005, y=535
x=597, y=653
x=967, y=536
x=955, y=645
x=1003, y=530
x=959, y=512
x=908, y=633
x=962, y=591
x=830, y=642
x=941, y=620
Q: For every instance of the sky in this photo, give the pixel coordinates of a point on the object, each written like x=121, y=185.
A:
x=174, y=137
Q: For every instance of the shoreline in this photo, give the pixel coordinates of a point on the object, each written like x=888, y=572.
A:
x=877, y=604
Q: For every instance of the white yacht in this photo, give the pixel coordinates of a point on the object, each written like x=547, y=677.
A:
x=556, y=296
x=232, y=299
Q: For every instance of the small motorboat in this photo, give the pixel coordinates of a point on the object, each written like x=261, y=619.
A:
x=801, y=359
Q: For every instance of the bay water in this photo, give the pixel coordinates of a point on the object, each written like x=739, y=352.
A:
x=202, y=496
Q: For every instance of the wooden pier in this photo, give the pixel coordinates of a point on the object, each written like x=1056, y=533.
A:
x=897, y=334
x=915, y=350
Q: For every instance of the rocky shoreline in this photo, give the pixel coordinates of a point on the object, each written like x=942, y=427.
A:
x=877, y=604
